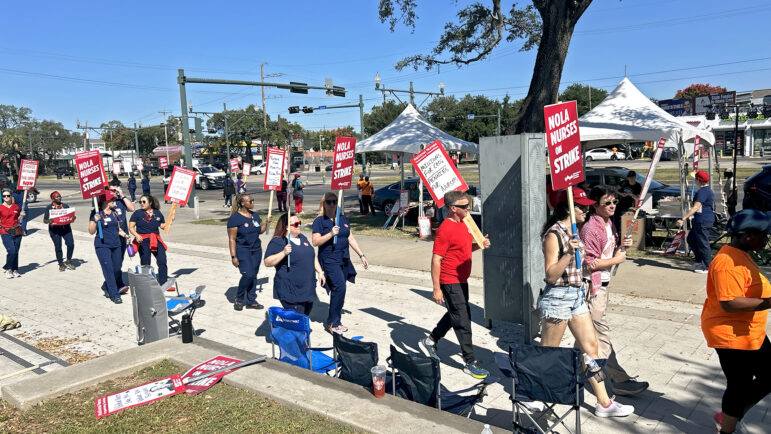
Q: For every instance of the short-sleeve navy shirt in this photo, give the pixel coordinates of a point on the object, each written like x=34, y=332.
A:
x=122, y=212
x=298, y=283
x=110, y=237
x=147, y=224
x=707, y=216
x=248, y=235
x=330, y=252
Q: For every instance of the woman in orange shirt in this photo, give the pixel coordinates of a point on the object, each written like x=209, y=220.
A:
x=733, y=319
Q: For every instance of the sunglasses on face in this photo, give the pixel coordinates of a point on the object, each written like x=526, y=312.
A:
x=610, y=202
x=143, y=201
x=330, y=202
x=6, y=195
x=461, y=206
x=249, y=201
x=582, y=208
x=295, y=224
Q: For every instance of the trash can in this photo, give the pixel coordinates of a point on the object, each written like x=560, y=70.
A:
x=149, y=305
x=318, y=168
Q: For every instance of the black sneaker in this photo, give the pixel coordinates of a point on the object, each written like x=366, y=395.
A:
x=238, y=306
x=254, y=305
x=62, y=267
x=475, y=370
x=428, y=347
x=117, y=300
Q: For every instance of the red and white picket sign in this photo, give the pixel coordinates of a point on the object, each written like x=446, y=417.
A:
x=139, y=164
x=140, y=395
x=212, y=364
x=116, y=167
x=342, y=165
x=27, y=175
x=90, y=173
x=163, y=162
x=234, y=165
x=61, y=216
x=566, y=164
x=247, y=168
x=696, y=152
x=274, y=169
x=677, y=241
x=180, y=185
x=438, y=172
x=651, y=171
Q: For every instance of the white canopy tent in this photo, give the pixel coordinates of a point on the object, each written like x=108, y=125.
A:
x=626, y=115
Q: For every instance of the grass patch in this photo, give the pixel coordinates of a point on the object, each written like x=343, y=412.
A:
x=373, y=226
x=220, y=409
x=669, y=175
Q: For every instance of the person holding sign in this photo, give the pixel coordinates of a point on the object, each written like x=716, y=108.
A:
x=602, y=253
x=145, y=225
x=296, y=290
x=333, y=239
x=108, y=246
x=244, y=229
x=450, y=270
x=562, y=302
x=60, y=231
x=10, y=232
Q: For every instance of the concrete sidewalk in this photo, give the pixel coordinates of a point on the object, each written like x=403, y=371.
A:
x=657, y=338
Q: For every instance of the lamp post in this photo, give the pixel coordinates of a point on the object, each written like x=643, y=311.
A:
x=136, y=137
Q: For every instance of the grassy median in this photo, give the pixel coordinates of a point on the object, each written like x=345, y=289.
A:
x=221, y=409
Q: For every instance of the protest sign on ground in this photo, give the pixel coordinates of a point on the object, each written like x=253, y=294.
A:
x=61, y=216
x=342, y=165
x=566, y=163
x=180, y=185
x=140, y=395
x=163, y=162
x=438, y=172
x=212, y=364
x=274, y=169
x=90, y=173
x=27, y=174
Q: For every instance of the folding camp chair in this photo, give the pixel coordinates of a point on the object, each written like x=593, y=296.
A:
x=182, y=304
x=550, y=374
x=291, y=331
x=355, y=358
x=419, y=380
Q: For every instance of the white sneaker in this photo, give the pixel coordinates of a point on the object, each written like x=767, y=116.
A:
x=613, y=410
x=701, y=271
x=8, y=274
x=16, y=274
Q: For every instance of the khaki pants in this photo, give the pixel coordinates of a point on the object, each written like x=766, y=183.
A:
x=598, y=304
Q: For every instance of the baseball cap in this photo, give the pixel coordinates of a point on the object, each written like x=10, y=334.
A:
x=749, y=220
x=107, y=195
x=579, y=197
x=702, y=176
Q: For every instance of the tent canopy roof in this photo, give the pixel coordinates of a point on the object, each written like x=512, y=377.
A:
x=407, y=132
x=628, y=115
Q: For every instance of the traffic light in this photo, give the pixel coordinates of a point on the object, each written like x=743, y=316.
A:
x=294, y=109
x=307, y=109
x=212, y=131
x=724, y=115
x=297, y=87
x=459, y=117
x=198, y=129
x=336, y=91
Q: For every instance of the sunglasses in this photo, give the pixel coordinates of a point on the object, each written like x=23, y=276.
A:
x=295, y=224
x=330, y=202
x=143, y=201
x=463, y=206
x=610, y=202
x=6, y=195
x=582, y=208
x=248, y=201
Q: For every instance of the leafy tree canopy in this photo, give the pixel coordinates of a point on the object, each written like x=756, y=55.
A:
x=698, y=89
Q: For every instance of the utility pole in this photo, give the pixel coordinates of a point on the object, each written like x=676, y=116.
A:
x=185, y=125
x=112, y=146
x=498, y=130
x=227, y=137
x=361, y=132
x=264, y=114
x=166, y=137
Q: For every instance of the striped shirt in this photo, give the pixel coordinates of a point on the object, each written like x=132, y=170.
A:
x=572, y=274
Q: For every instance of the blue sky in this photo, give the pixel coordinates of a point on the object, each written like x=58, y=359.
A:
x=98, y=61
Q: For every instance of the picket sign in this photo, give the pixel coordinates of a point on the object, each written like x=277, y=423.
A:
x=566, y=162
x=234, y=165
x=116, y=167
x=342, y=170
x=141, y=166
x=127, y=166
x=274, y=173
x=644, y=191
x=163, y=162
x=92, y=178
x=61, y=216
x=178, y=191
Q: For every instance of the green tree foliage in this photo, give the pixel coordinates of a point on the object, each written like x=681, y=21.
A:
x=580, y=93
x=382, y=115
x=479, y=29
x=698, y=89
x=451, y=116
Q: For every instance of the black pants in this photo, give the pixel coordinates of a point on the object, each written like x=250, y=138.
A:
x=367, y=205
x=748, y=379
x=458, y=317
x=57, y=235
x=698, y=241
x=303, y=307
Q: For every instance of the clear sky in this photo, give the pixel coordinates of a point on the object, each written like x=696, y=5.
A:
x=98, y=61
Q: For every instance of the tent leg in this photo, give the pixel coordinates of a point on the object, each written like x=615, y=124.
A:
x=401, y=162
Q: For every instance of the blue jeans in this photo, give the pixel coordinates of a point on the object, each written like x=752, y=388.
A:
x=249, y=266
x=57, y=235
x=698, y=240
x=12, y=245
x=562, y=302
x=110, y=261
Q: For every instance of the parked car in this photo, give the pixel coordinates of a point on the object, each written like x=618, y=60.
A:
x=385, y=197
x=154, y=171
x=616, y=175
x=258, y=169
x=602, y=154
x=328, y=168
x=64, y=171
x=206, y=177
x=757, y=190
x=669, y=154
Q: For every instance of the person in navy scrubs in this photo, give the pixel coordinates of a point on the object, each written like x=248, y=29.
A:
x=244, y=229
x=145, y=225
x=108, y=246
x=334, y=258
x=146, y=183
x=132, y=186
x=294, y=284
x=123, y=205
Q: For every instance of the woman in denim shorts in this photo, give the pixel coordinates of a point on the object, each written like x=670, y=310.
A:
x=562, y=301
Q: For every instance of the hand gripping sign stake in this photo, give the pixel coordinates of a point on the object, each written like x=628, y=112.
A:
x=643, y=192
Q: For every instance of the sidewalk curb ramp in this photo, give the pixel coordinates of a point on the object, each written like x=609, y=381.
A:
x=289, y=385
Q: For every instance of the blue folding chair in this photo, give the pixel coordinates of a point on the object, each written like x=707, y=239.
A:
x=291, y=331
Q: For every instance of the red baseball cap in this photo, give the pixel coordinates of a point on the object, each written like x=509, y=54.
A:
x=702, y=176
x=579, y=197
x=107, y=195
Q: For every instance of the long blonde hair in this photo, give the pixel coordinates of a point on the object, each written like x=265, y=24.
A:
x=237, y=202
x=327, y=195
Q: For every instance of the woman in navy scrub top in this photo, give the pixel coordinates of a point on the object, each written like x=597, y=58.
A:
x=335, y=259
x=145, y=226
x=108, y=247
x=295, y=286
x=244, y=229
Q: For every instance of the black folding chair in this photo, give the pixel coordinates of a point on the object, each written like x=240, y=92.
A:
x=419, y=380
x=550, y=374
x=355, y=358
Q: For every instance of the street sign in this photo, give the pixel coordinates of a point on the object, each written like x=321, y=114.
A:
x=321, y=107
x=470, y=116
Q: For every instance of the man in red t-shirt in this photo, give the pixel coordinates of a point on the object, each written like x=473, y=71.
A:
x=450, y=269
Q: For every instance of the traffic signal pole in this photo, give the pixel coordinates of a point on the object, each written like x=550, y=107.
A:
x=188, y=152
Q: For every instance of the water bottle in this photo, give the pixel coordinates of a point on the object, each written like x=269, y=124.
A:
x=487, y=430
x=187, y=329
x=593, y=368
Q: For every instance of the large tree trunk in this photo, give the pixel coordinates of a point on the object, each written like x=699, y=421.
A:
x=559, y=19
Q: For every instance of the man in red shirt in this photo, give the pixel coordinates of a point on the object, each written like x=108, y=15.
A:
x=450, y=269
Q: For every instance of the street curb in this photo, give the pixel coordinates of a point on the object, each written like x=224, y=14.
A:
x=290, y=385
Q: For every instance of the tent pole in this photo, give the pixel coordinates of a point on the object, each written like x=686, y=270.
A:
x=401, y=162
x=680, y=152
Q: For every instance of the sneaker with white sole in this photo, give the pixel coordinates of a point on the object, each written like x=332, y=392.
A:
x=475, y=370
x=16, y=273
x=8, y=274
x=614, y=409
x=428, y=347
